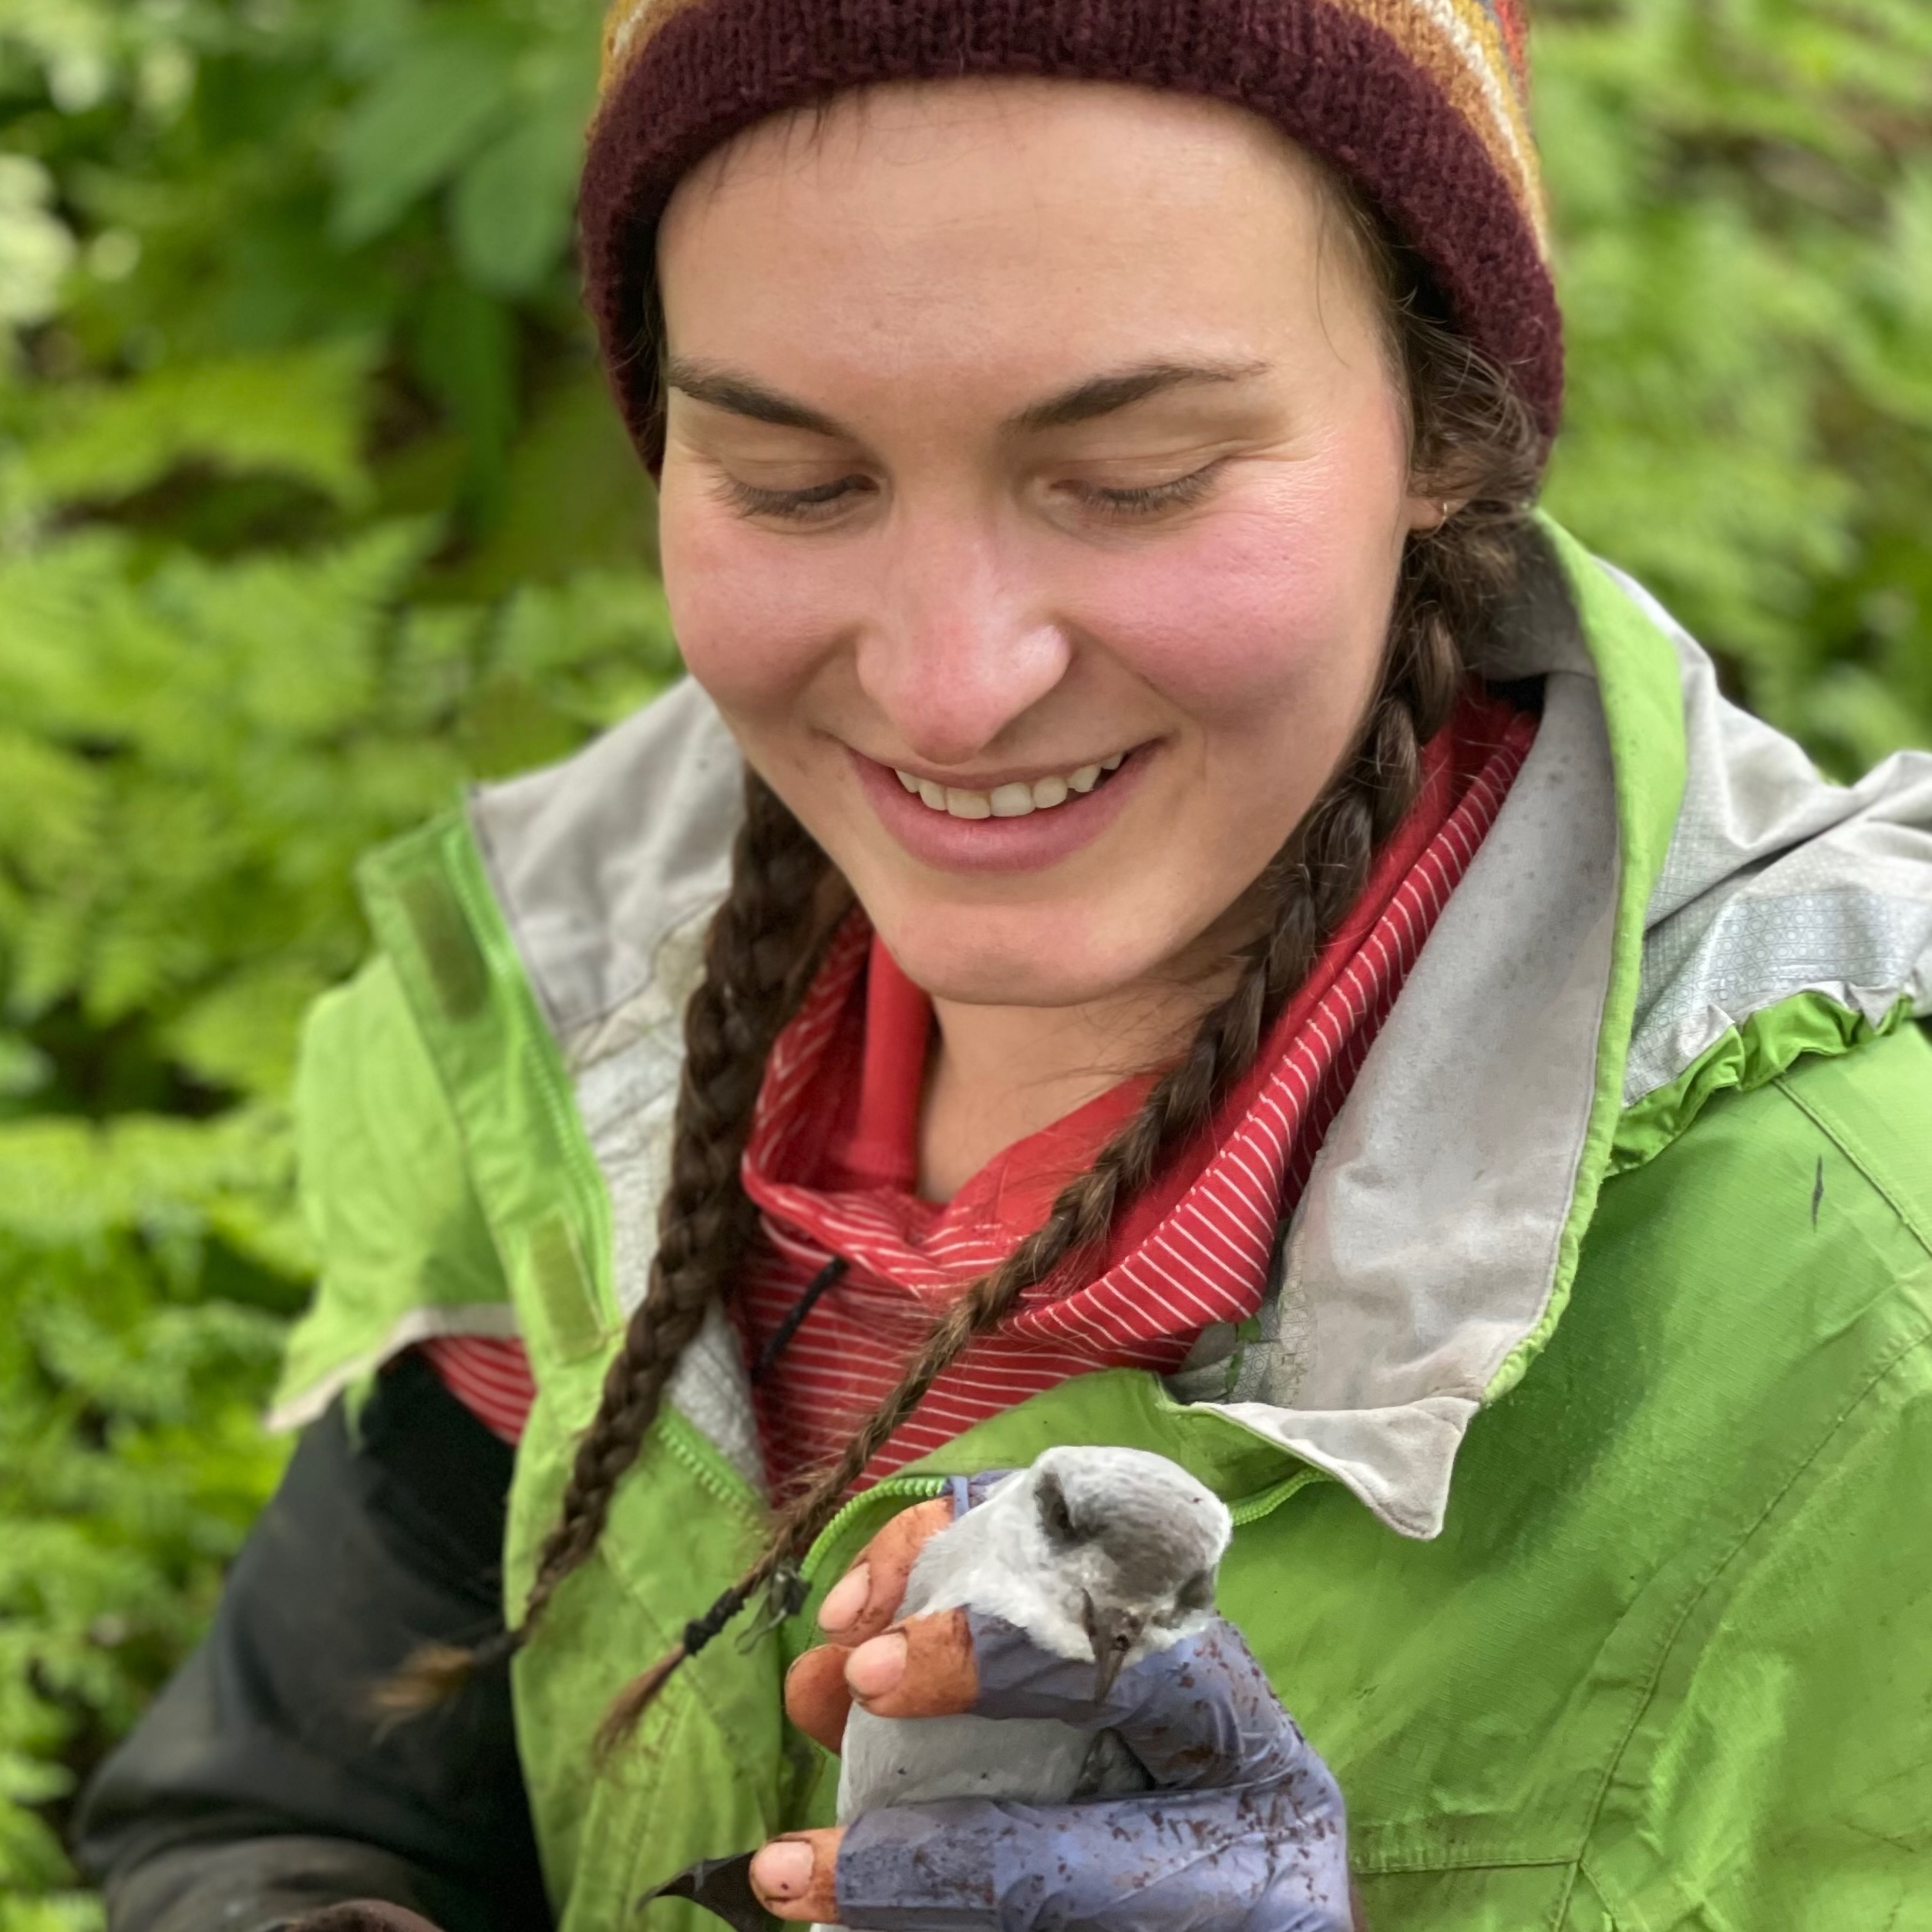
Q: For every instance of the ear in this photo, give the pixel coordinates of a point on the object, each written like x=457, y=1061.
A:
x=1426, y=513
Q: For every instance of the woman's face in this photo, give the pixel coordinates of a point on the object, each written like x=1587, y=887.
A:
x=1034, y=490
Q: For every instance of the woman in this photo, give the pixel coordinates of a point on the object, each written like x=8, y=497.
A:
x=1172, y=911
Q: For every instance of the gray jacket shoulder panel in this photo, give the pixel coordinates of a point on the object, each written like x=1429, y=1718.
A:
x=1777, y=882
x=598, y=860
x=608, y=867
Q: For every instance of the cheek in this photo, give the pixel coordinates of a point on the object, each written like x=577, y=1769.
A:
x=751, y=616
x=1264, y=622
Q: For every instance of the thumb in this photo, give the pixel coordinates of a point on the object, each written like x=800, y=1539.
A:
x=795, y=1876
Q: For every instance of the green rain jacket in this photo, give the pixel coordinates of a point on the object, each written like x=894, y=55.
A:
x=1580, y=1456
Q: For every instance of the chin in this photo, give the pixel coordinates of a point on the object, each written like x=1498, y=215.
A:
x=1031, y=964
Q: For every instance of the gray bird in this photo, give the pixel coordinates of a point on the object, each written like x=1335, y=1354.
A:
x=1107, y=1554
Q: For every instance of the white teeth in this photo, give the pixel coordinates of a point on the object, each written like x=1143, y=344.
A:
x=1012, y=801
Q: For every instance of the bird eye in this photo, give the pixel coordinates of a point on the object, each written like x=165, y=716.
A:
x=1055, y=1518
x=1196, y=1594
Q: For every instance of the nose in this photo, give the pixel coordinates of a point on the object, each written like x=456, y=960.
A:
x=956, y=646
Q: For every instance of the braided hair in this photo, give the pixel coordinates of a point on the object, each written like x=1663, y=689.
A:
x=1475, y=444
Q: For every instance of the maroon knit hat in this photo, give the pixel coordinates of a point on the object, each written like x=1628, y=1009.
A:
x=1421, y=104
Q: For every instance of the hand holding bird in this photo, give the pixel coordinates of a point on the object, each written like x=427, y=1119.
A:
x=999, y=1655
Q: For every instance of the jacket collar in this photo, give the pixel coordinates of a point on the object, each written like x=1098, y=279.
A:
x=1434, y=1249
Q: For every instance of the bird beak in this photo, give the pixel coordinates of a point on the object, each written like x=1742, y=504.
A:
x=1112, y=1633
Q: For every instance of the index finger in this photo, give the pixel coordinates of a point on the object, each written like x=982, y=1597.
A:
x=866, y=1598
x=921, y=1668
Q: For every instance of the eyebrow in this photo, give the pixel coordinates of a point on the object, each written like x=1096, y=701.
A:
x=1101, y=395
x=1098, y=395
x=727, y=389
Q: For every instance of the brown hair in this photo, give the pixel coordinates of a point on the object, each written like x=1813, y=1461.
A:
x=1475, y=444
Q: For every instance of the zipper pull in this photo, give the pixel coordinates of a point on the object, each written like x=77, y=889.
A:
x=786, y=1591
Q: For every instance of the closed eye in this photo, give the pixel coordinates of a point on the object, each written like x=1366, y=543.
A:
x=817, y=504
x=1148, y=500
x=821, y=502
x=1055, y=1518
x=1196, y=1594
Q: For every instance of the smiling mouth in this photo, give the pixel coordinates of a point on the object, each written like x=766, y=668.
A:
x=1014, y=801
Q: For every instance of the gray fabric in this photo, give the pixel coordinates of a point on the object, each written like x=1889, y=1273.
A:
x=497, y=1319
x=1426, y=1247
x=626, y=1098
x=1777, y=882
x=600, y=861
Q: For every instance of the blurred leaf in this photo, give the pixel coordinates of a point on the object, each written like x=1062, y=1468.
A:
x=242, y=1034
x=36, y=247
x=465, y=347
x=1744, y=230
x=427, y=112
x=512, y=208
x=298, y=414
x=24, y=1068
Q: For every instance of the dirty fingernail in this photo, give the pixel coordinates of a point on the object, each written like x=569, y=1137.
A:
x=846, y=1599
x=874, y=1667
x=782, y=1868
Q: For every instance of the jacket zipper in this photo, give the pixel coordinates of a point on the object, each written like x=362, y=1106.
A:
x=921, y=1488
x=1251, y=1509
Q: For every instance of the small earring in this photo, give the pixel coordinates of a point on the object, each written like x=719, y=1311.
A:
x=1445, y=510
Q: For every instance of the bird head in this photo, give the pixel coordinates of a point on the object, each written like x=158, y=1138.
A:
x=1123, y=1547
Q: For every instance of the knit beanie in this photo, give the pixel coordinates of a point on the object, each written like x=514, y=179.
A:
x=1420, y=104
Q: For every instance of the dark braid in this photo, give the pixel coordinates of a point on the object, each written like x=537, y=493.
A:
x=758, y=954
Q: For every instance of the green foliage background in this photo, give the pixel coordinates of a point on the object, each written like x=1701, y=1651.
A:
x=311, y=507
